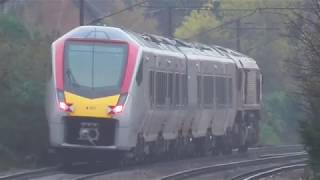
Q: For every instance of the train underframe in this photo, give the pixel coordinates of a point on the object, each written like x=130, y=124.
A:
x=244, y=133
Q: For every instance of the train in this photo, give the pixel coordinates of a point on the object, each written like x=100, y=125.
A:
x=114, y=91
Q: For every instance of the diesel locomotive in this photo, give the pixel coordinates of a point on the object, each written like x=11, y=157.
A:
x=138, y=95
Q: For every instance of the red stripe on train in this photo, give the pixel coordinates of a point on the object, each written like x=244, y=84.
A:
x=132, y=58
x=59, y=55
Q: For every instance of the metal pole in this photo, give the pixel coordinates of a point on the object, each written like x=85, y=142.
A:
x=81, y=12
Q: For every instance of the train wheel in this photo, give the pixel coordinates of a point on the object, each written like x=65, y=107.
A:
x=227, y=143
x=160, y=147
x=190, y=144
x=209, y=143
x=243, y=149
x=179, y=146
x=139, y=150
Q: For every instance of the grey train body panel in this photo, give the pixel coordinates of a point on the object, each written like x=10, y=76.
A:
x=195, y=111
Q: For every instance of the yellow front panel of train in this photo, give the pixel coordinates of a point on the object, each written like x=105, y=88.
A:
x=90, y=107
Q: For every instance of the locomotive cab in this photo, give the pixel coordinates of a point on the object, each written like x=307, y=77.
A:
x=92, y=70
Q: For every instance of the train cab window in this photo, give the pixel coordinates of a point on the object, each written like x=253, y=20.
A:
x=221, y=93
x=139, y=76
x=94, y=69
x=161, y=88
x=151, y=87
x=208, y=91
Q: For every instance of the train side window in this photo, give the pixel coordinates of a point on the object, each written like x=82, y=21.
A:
x=199, y=89
x=239, y=75
x=230, y=94
x=221, y=93
x=170, y=88
x=161, y=88
x=258, y=84
x=246, y=87
x=184, y=88
x=176, y=89
x=151, y=87
x=139, y=75
x=208, y=91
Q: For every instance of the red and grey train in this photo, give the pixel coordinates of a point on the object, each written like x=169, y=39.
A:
x=114, y=90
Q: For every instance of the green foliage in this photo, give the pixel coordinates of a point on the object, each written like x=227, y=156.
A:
x=280, y=118
x=12, y=29
x=23, y=64
x=306, y=67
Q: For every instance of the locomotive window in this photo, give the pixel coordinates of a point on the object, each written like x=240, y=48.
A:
x=184, y=89
x=246, y=86
x=108, y=63
x=170, y=87
x=139, y=75
x=239, y=74
x=79, y=59
x=151, y=87
x=221, y=93
x=208, y=91
x=161, y=88
x=199, y=89
x=177, y=90
x=94, y=69
x=230, y=88
x=258, y=84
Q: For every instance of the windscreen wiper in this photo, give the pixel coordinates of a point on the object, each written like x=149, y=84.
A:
x=71, y=78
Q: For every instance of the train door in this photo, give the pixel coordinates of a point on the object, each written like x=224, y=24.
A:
x=223, y=99
x=195, y=96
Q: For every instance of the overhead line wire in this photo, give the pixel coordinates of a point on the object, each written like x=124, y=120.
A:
x=118, y=12
x=221, y=25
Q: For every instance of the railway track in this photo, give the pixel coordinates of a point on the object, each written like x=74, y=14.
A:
x=265, y=172
x=31, y=173
x=187, y=174
x=84, y=174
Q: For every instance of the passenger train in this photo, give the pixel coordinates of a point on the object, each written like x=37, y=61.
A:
x=142, y=95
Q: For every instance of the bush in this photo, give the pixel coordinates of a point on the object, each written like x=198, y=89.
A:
x=23, y=65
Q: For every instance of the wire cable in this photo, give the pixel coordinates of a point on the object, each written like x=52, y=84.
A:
x=221, y=25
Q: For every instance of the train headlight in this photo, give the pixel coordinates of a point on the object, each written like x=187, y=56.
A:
x=62, y=104
x=112, y=110
x=65, y=107
x=115, y=109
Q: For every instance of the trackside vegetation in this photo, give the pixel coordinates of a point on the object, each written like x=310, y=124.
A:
x=24, y=60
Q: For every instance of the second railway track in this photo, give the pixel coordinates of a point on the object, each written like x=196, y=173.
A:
x=264, y=172
x=254, y=153
x=187, y=174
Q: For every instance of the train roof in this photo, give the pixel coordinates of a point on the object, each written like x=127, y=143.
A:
x=156, y=42
x=97, y=32
x=240, y=59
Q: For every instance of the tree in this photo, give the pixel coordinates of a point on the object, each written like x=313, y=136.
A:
x=23, y=65
x=306, y=70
